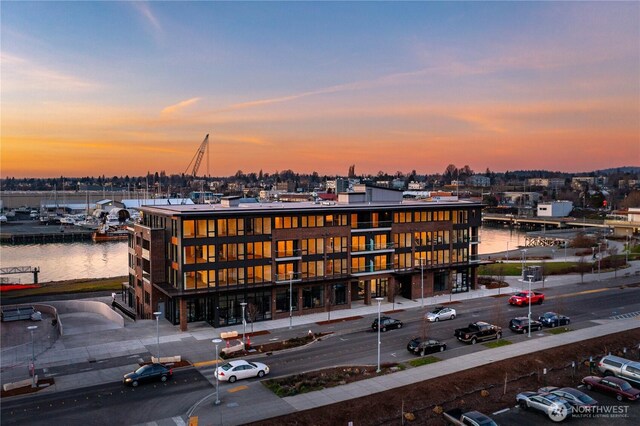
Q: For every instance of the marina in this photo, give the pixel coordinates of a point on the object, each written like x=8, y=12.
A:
x=30, y=232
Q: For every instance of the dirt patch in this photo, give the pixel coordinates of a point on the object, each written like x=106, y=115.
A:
x=339, y=320
x=486, y=389
x=270, y=347
x=42, y=384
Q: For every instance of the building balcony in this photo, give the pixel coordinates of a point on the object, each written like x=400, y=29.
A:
x=372, y=270
x=373, y=248
x=288, y=255
x=384, y=225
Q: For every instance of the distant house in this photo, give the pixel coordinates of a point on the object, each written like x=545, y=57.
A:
x=555, y=209
x=478, y=180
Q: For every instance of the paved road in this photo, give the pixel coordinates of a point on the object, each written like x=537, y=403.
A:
x=110, y=404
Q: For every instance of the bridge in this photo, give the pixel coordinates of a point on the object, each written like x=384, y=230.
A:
x=22, y=270
x=618, y=228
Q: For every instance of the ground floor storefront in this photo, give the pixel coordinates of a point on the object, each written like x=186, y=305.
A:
x=296, y=298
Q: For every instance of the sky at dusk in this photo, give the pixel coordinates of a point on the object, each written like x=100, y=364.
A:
x=119, y=88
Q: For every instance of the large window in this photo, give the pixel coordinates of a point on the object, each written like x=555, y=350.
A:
x=258, y=226
x=358, y=243
x=230, y=276
x=283, y=300
x=230, y=227
x=340, y=294
x=258, y=274
x=286, y=248
x=259, y=250
x=402, y=239
x=313, y=246
x=286, y=222
x=336, y=267
x=337, y=244
x=188, y=229
x=285, y=271
x=312, y=270
x=230, y=252
x=313, y=297
x=199, y=254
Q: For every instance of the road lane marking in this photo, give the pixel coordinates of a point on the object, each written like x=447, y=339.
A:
x=205, y=363
x=597, y=290
x=238, y=388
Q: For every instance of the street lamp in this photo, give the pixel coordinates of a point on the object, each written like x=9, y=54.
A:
x=290, y=299
x=157, y=314
x=216, y=342
x=626, y=253
x=31, y=328
x=422, y=281
x=379, y=299
x=524, y=261
x=244, y=323
x=529, y=294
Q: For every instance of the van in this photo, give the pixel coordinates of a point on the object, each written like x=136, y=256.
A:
x=623, y=368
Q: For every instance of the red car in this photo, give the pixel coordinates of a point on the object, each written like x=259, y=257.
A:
x=619, y=387
x=521, y=298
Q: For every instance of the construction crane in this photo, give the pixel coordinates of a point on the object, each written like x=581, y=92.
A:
x=197, y=159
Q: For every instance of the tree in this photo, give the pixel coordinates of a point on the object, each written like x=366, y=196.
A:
x=252, y=313
x=450, y=172
x=352, y=171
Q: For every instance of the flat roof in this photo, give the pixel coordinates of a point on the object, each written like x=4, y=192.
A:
x=301, y=206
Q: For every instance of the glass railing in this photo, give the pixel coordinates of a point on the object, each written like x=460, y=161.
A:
x=372, y=247
x=372, y=225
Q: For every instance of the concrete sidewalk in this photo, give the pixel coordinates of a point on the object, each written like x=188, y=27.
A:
x=120, y=349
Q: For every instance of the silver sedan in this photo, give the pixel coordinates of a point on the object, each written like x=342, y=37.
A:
x=440, y=313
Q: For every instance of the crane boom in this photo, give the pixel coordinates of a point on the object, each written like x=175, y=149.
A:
x=197, y=158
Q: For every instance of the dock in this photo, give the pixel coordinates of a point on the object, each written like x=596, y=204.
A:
x=33, y=232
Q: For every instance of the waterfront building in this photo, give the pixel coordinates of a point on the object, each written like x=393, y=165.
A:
x=199, y=262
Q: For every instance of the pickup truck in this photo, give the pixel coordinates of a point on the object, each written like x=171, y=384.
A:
x=477, y=332
x=471, y=418
x=521, y=298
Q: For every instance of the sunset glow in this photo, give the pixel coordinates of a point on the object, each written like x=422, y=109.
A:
x=117, y=88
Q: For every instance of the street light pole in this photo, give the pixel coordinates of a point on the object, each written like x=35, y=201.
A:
x=157, y=314
x=31, y=328
x=422, y=280
x=290, y=299
x=529, y=294
x=216, y=342
x=244, y=323
x=626, y=253
x=507, y=250
x=524, y=261
x=379, y=299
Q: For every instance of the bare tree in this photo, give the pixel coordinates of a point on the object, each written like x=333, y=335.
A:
x=252, y=313
x=498, y=313
x=394, y=290
x=331, y=300
x=582, y=267
x=500, y=275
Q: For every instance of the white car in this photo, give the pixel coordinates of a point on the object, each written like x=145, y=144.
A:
x=440, y=313
x=241, y=369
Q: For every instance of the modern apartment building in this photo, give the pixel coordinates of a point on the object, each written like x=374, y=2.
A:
x=200, y=262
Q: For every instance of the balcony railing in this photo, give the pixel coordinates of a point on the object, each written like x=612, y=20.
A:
x=363, y=226
x=372, y=269
x=372, y=247
x=288, y=254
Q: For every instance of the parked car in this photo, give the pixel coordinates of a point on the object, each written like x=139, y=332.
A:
x=522, y=325
x=477, y=332
x=556, y=408
x=470, y=418
x=626, y=369
x=386, y=323
x=429, y=346
x=148, y=373
x=521, y=298
x=573, y=396
x=413, y=344
x=241, y=369
x=440, y=313
x=552, y=319
x=613, y=385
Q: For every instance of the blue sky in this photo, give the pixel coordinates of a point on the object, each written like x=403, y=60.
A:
x=120, y=88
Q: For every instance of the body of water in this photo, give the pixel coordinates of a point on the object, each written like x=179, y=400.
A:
x=67, y=261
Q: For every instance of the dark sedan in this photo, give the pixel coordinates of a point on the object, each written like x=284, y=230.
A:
x=552, y=319
x=386, y=323
x=429, y=346
x=573, y=396
x=521, y=325
x=413, y=344
x=620, y=388
x=148, y=373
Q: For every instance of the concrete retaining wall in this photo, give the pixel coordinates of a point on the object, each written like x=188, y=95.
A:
x=71, y=306
x=50, y=310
